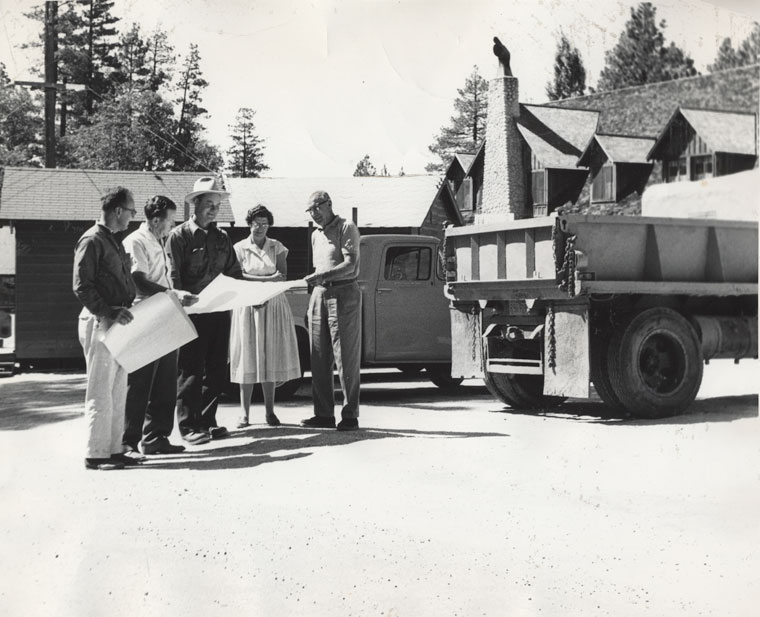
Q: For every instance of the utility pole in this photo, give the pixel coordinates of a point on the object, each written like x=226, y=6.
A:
x=51, y=79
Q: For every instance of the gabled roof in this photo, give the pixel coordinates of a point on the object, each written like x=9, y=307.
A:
x=721, y=131
x=555, y=135
x=381, y=201
x=644, y=110
x=465, y=160
x=618, y=149
x=28, y=193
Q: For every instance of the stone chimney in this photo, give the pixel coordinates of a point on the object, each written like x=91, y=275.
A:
x=504, y=192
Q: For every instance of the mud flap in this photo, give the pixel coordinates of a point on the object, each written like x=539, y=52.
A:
x=566, y=366
x=466, y=343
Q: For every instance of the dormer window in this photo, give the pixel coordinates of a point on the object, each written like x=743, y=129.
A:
x=603, y=187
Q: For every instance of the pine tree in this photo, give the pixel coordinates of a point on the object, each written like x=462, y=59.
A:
x=190, y=86
x=133, y=66
x=365, y=167
x=641, y=55
x=569, y=72
x=247, y=153
x=20, y=125
x=749, y=50
x=160, y=59
x=727, y=57
x=467, y=127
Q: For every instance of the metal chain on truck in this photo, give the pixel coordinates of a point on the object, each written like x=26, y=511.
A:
x=552, y=353
x=567, y=271
x=475, y=334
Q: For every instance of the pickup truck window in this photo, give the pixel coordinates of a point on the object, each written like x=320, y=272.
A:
x=408, y=263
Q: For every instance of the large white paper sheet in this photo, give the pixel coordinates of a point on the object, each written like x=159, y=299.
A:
x=225, y=293
x=160, y=326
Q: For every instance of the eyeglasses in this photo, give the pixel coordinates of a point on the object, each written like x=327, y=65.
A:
x=257, y=224
x=132, y=210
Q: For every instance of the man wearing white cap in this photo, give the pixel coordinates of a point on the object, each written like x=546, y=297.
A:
x=200, y=252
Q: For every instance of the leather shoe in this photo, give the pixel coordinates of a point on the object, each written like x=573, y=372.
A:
x=273, y=420
x=126, y=460
x=217, y=432
x=132, y=454
x=103, y=464
x=196, y=438
x=348, y=424
x=318, y=422
x=161, y=446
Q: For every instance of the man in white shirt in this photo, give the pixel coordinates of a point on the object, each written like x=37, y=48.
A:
x=152, y=390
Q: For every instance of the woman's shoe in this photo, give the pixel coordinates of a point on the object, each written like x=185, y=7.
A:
x=243, y=423
x=273, y=420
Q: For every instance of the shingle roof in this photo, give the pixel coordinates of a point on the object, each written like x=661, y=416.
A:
x=556, y=136
x=618, y=149
x=381, y=201
x=644, y=110
x=74, y=194
x=724, y=131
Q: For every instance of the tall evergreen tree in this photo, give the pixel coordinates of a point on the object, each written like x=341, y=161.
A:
x=247, y=153
x=365, y=167
x=160, y=59
x=20, y=125
x=730, y=58
x=132, y=62
x=190, y=86
x=569, y=72
x=467, y=128
x=641, y=55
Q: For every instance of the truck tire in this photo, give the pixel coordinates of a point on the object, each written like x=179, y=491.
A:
x=501, y=388
x=440, y=375
x=285, y=390
x=600, y=372
x=655, y=363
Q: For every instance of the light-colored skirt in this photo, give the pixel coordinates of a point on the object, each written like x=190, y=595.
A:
x=263, y=345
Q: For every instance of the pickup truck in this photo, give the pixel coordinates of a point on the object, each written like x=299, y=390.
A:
x=405, y=316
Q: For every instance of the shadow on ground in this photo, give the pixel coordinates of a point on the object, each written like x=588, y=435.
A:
x=717, y=409
x=288, y=442
x=27, y=404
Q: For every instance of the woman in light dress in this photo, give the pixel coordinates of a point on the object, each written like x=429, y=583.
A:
x=263, y=346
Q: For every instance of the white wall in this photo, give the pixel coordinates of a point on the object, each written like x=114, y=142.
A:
x=7, y=251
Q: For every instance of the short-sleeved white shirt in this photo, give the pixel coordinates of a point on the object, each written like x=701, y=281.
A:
x=149, y=256
x=259, y=261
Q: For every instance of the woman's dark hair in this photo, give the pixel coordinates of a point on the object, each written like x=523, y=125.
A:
x=157, y=206
x=116, y=197
x=256, y=211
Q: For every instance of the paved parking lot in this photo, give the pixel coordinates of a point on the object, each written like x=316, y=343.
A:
x=444, y=504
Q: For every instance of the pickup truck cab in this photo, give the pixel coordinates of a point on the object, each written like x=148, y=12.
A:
x=405, y=316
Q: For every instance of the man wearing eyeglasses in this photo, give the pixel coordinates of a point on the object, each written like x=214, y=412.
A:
x=335, y=308
x=103, y=284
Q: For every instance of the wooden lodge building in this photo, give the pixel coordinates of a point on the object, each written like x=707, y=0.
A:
x=47, y=210
x=597, y=153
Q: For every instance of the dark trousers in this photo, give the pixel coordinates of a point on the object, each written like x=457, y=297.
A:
x=151, y=396
x=202, y=372
x=335, y=332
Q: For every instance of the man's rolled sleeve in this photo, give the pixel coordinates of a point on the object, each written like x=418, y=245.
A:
x=85, y=267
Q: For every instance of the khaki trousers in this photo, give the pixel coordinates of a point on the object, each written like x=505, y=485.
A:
x=335, y=332
x=106, y=391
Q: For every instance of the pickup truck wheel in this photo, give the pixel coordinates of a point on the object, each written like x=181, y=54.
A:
x=600, y=372
x=285, y=390
x=656, y=363
x=440, y=375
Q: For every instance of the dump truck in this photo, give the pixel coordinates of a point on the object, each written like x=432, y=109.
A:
x=542, y=308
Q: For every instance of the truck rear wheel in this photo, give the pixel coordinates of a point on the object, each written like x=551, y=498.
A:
x=600, y=372
x=655, y=363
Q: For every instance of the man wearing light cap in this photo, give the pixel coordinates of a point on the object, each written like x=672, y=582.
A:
x=201, y=252
x=334, y=315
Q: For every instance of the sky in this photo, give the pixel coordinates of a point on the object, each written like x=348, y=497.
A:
x=333, y=80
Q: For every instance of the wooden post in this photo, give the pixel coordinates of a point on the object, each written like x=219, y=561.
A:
x=355, y=216
x=51, y=78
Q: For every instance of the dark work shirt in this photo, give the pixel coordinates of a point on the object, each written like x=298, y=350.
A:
x=199, y=256
x=102, y=272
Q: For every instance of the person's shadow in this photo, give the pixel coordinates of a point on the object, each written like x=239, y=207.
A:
x=271, y=445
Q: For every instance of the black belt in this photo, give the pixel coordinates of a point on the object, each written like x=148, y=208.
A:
x=328, y=284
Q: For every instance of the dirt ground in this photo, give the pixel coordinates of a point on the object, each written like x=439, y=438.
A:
x=444, y=504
